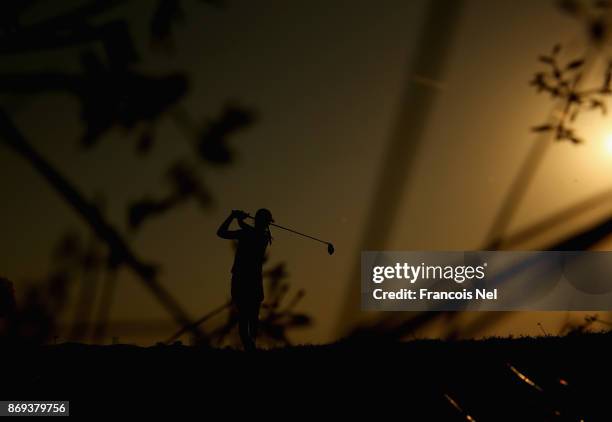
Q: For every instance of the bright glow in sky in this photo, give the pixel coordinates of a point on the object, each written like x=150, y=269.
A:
x=608, y=143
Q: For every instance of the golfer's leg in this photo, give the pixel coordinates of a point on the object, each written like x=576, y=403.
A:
x=243, y=328
x=254, y=317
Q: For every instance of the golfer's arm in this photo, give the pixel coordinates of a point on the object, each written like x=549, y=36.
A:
x=224, y=232
x=243, y=225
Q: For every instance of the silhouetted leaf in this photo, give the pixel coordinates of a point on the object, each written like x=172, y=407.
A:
x=277, y=273
x=212, y=144
x=570, y=6
x=547, y=59
x=598, y=30
x=574, y=115
x=600, y=105
x=216, y=152
x=126, y=99
x=119, y=45
x=574, y=98
x=141, y=210
x=575, y=64
x=607, y=79
x=542, y=128
x=300, y=320
x=184, y=179
x=167, y=13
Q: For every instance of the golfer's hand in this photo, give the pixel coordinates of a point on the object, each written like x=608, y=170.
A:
x=239, y=215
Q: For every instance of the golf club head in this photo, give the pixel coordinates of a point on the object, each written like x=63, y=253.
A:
x=330, y=249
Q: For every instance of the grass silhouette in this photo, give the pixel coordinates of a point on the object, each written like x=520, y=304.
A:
x=527, y=378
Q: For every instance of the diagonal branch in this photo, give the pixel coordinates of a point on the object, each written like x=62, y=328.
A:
x=120, y=251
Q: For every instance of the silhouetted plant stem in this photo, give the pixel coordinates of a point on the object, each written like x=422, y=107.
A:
x=527, y=171
x=403, y=146
x=106, y=300
x=121, y=254
x=556, y=220
x=200, y=321
x=86, y=299
x=517, y=190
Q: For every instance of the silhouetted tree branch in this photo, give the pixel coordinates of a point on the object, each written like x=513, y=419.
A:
x=112, y=94
x=121, y=254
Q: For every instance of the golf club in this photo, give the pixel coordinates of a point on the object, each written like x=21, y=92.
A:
x=330, y=247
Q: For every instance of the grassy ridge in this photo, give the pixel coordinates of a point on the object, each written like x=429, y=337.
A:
x=544, y=378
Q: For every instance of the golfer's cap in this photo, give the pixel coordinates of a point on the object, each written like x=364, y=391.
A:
x=265, y=214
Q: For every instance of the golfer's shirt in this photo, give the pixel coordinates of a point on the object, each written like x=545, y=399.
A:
x=248, y=262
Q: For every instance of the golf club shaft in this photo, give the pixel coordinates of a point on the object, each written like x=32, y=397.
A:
x=296, y=232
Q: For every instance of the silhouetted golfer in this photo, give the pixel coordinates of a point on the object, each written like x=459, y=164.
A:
x=247, y=282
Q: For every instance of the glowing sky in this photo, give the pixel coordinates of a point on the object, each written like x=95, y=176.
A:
x=326, y=79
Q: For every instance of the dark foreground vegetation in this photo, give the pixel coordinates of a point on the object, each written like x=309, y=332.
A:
x=546, y=378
